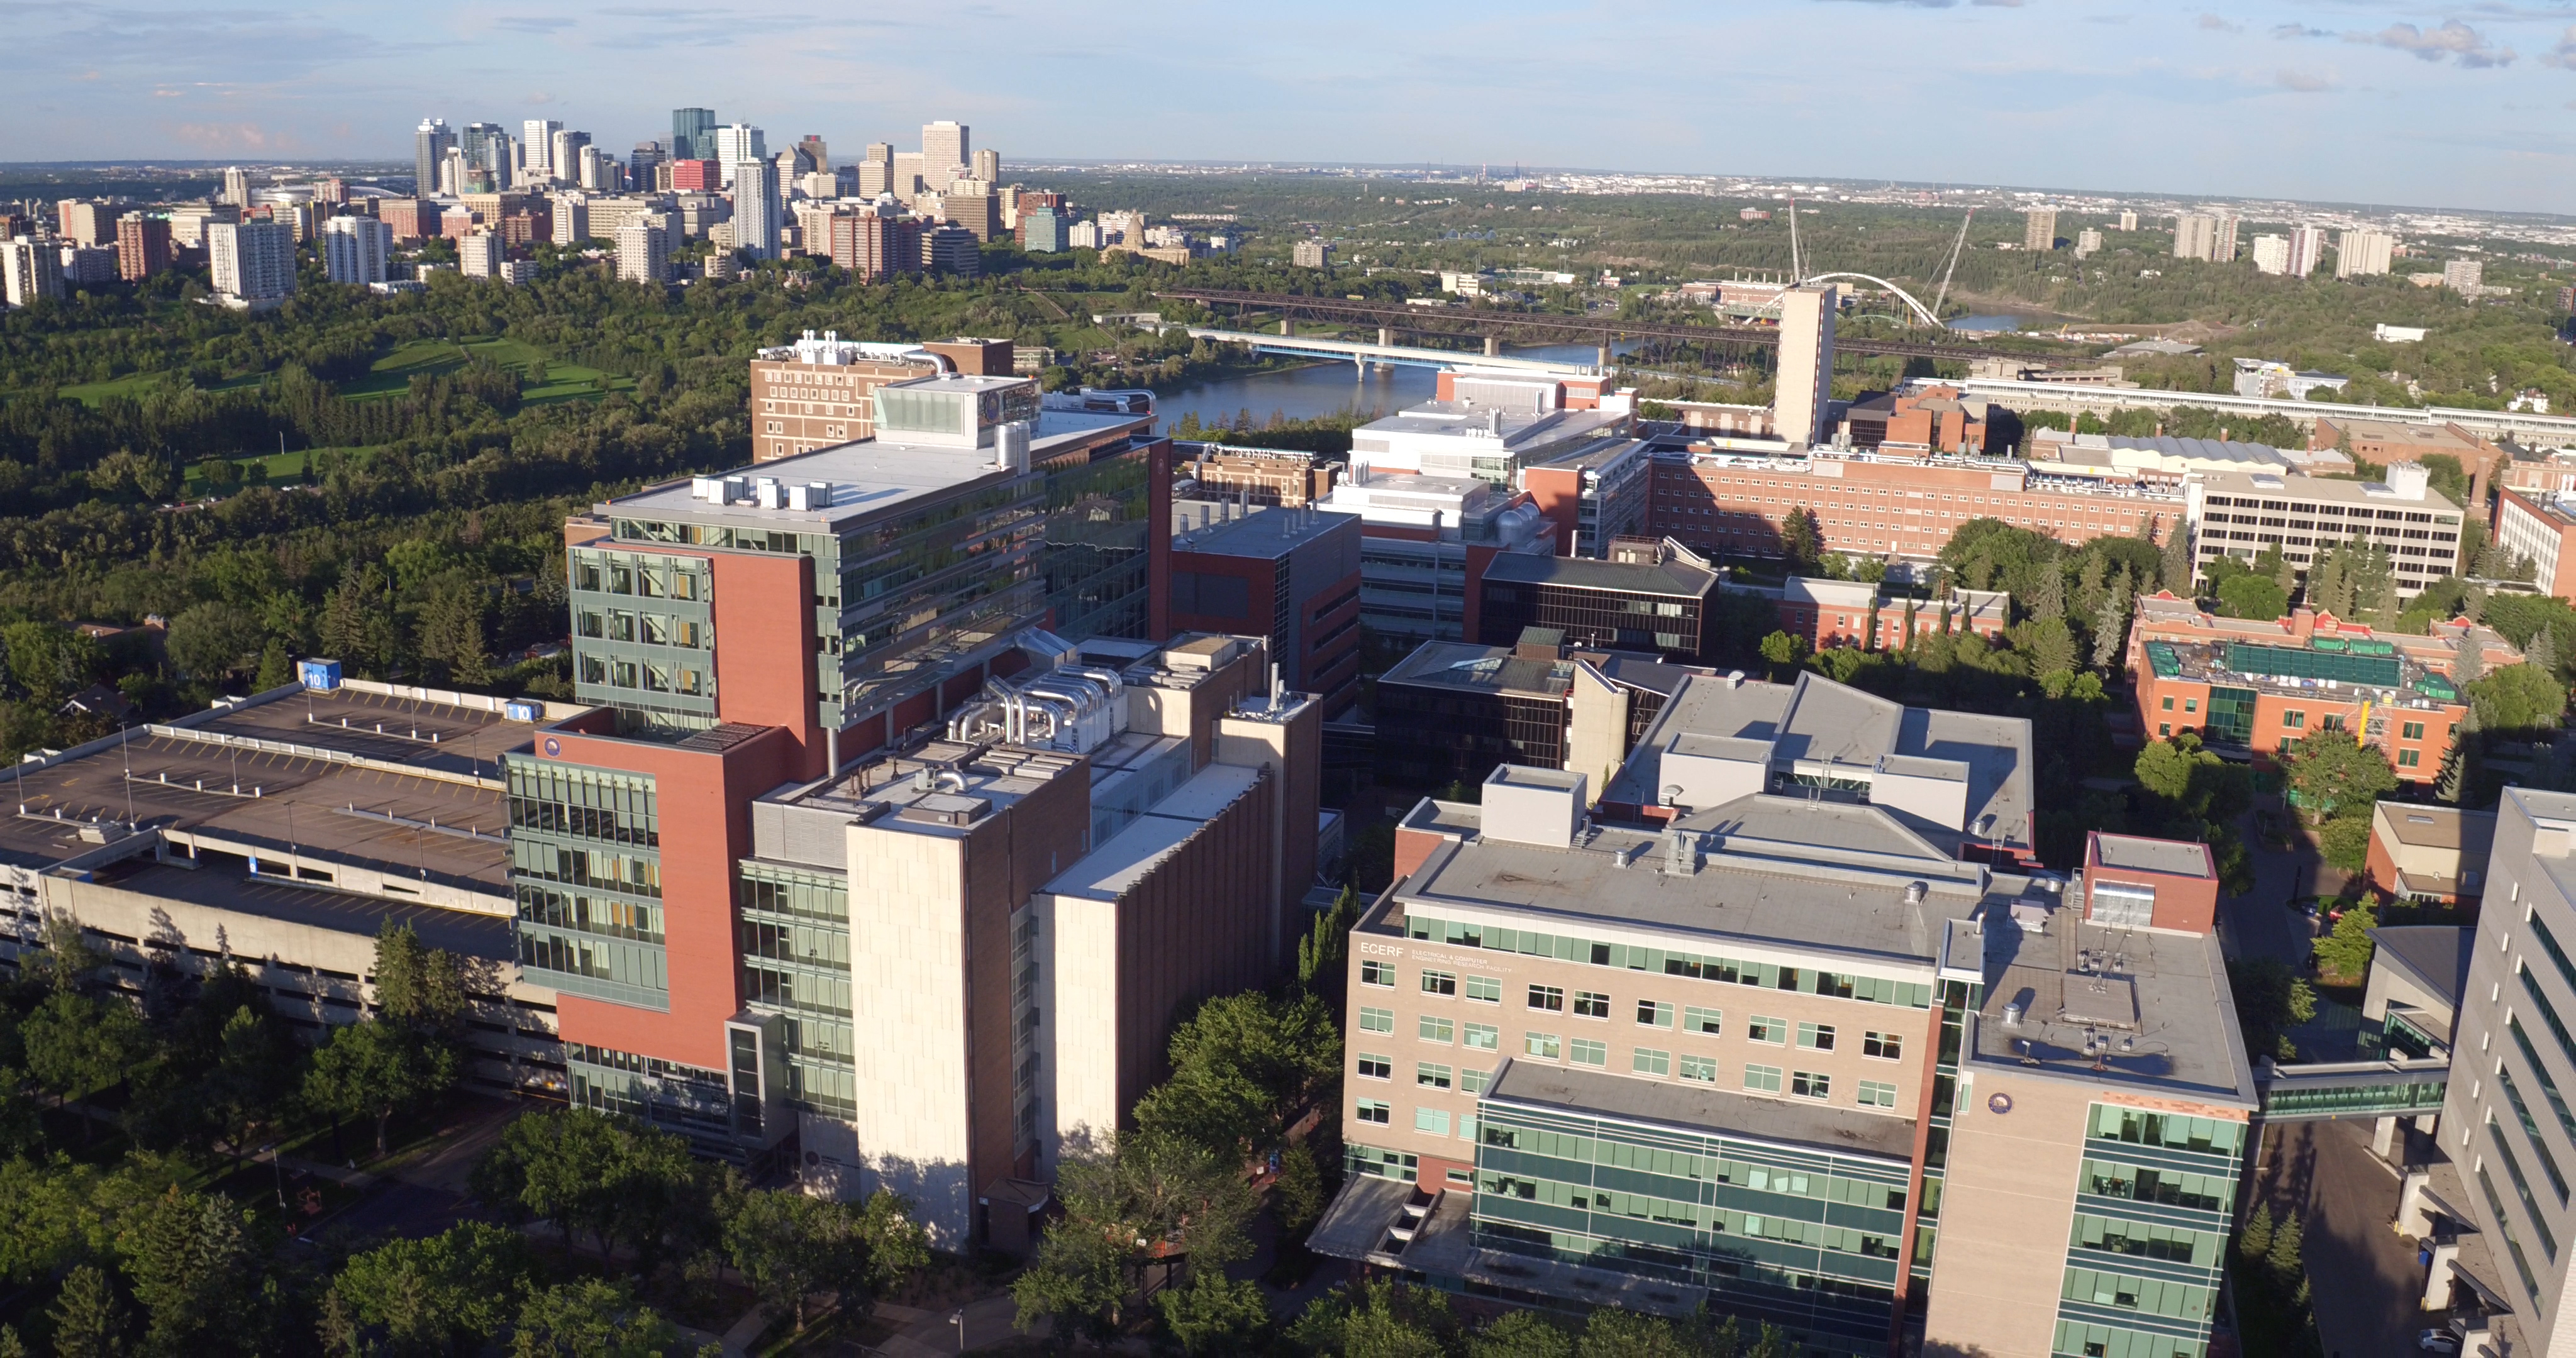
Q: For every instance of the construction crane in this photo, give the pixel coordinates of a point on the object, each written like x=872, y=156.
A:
x=1955, y=247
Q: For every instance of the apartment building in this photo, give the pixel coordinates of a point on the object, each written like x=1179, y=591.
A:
x=252, y=263
x=2540, y=527
x=1289, y=575
x=2361, y=252
x=142, y=246
x=1803, y=400
x=354, y=249
x=644, y=256
x=2039, y=228
x=1786, y=1059
x=31, y=271
x=2262, y=686
x=2240, y=513
x=1647, y=596
x=1716, y=499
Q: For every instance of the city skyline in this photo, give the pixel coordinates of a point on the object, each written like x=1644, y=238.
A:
x=2356, y=102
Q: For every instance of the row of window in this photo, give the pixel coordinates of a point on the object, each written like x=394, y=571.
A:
x=647, y=676
x=1627, y=957
x=640, y=576
x=651, y=629
x=1759, y=1028
x=1647, y=1061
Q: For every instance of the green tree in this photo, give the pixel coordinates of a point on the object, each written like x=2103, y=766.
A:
x=2518, y=700
x=1325, y=949
x=1301, y=1193
x=2252, y=596
x=193, y=1269
x=69, y=961
x=1783, y=652
x=2255, y=1240
x=2173, y=562
x=276, y=669
x=1214, y=1313
x=2051, y=648
x=1243, y=1068
x=2344, y=953
x=2345, y=841
x=2284, y=1258
x=1376, y=1319
x=89, y=1322
x=1139, y=1200
x=1521, y=1334
x=76, y=1044
x=49, y=662
x=2335, y=776
x=417, y=985
x=591, y=1318
x=790, y=1244
x=1802, y=540
x=210, y=641
x=376, y=1070
x=564, y=1167
x=454, y=1291
x=2270, y=999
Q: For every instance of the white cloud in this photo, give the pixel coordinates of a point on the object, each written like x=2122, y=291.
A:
x=2463, y=44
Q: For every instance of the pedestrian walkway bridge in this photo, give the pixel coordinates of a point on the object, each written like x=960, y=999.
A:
x=2327, y=1091
x=1385, y=351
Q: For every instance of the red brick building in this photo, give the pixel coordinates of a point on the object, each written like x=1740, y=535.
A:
x=2260, y=687
x=1890, y=503
x=2135, y=883
x=697, y=176
x=1831, y=613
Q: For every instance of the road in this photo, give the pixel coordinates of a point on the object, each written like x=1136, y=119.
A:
x=2260, y=923
x=2362, y=1274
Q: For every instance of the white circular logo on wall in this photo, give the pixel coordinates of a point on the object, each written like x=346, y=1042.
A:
x=2000, y=1103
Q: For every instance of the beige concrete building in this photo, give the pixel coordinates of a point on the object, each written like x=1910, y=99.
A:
x=1783, y=1056
x=1090, y=851
x=282, y=831
x=1806, y=374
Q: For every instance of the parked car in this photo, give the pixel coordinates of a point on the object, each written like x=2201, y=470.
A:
x=2438, y=1341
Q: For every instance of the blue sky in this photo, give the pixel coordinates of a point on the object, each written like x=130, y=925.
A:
x=2473, y=106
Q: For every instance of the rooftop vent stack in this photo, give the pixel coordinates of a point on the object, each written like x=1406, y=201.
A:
x=1915, y=892
x=1681, y=853
x=1011, y=446
x=2012, y=1015
x=1735, y=678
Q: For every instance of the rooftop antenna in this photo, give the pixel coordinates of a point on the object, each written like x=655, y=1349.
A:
x=1955, y=247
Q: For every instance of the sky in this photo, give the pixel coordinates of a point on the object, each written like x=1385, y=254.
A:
x=2360, y=101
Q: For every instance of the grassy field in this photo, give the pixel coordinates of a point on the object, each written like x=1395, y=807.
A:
x=273, y=469
x=393, y=373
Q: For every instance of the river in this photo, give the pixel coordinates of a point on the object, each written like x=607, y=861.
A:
x=1320, y=389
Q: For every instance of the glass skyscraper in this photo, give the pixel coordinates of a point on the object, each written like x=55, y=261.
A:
x=693, y=134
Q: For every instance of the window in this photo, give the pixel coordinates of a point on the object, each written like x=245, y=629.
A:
x=1373, y=1067
x=1377, y=1020
x=1431, y=1076
x=1377, y=973
x=1762, y=1079
x=1698, y=1020
x=1373, y=1110
x=1770, y=1030
x=1590, y=1005
x=2191, y=704
x=2164, y=728
x=2413, y=730
x=1485, y=988
x=1817, y=1037
x=1439, y=983
x=1540, y=1045
x=2407, y=759
x=2168, y=702
x=1484, y=1037
x=1648, y=1061
x=2294, y=720
x=1547, y=997
x=1653, y=1015
x=1808, y=1084
x=1877, y=1094
x=1437, y=1029
x=1432, y=1120
x=1701, y=1068
x=1473, y=1081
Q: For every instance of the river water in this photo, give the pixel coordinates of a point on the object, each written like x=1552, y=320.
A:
x=1321, y=389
